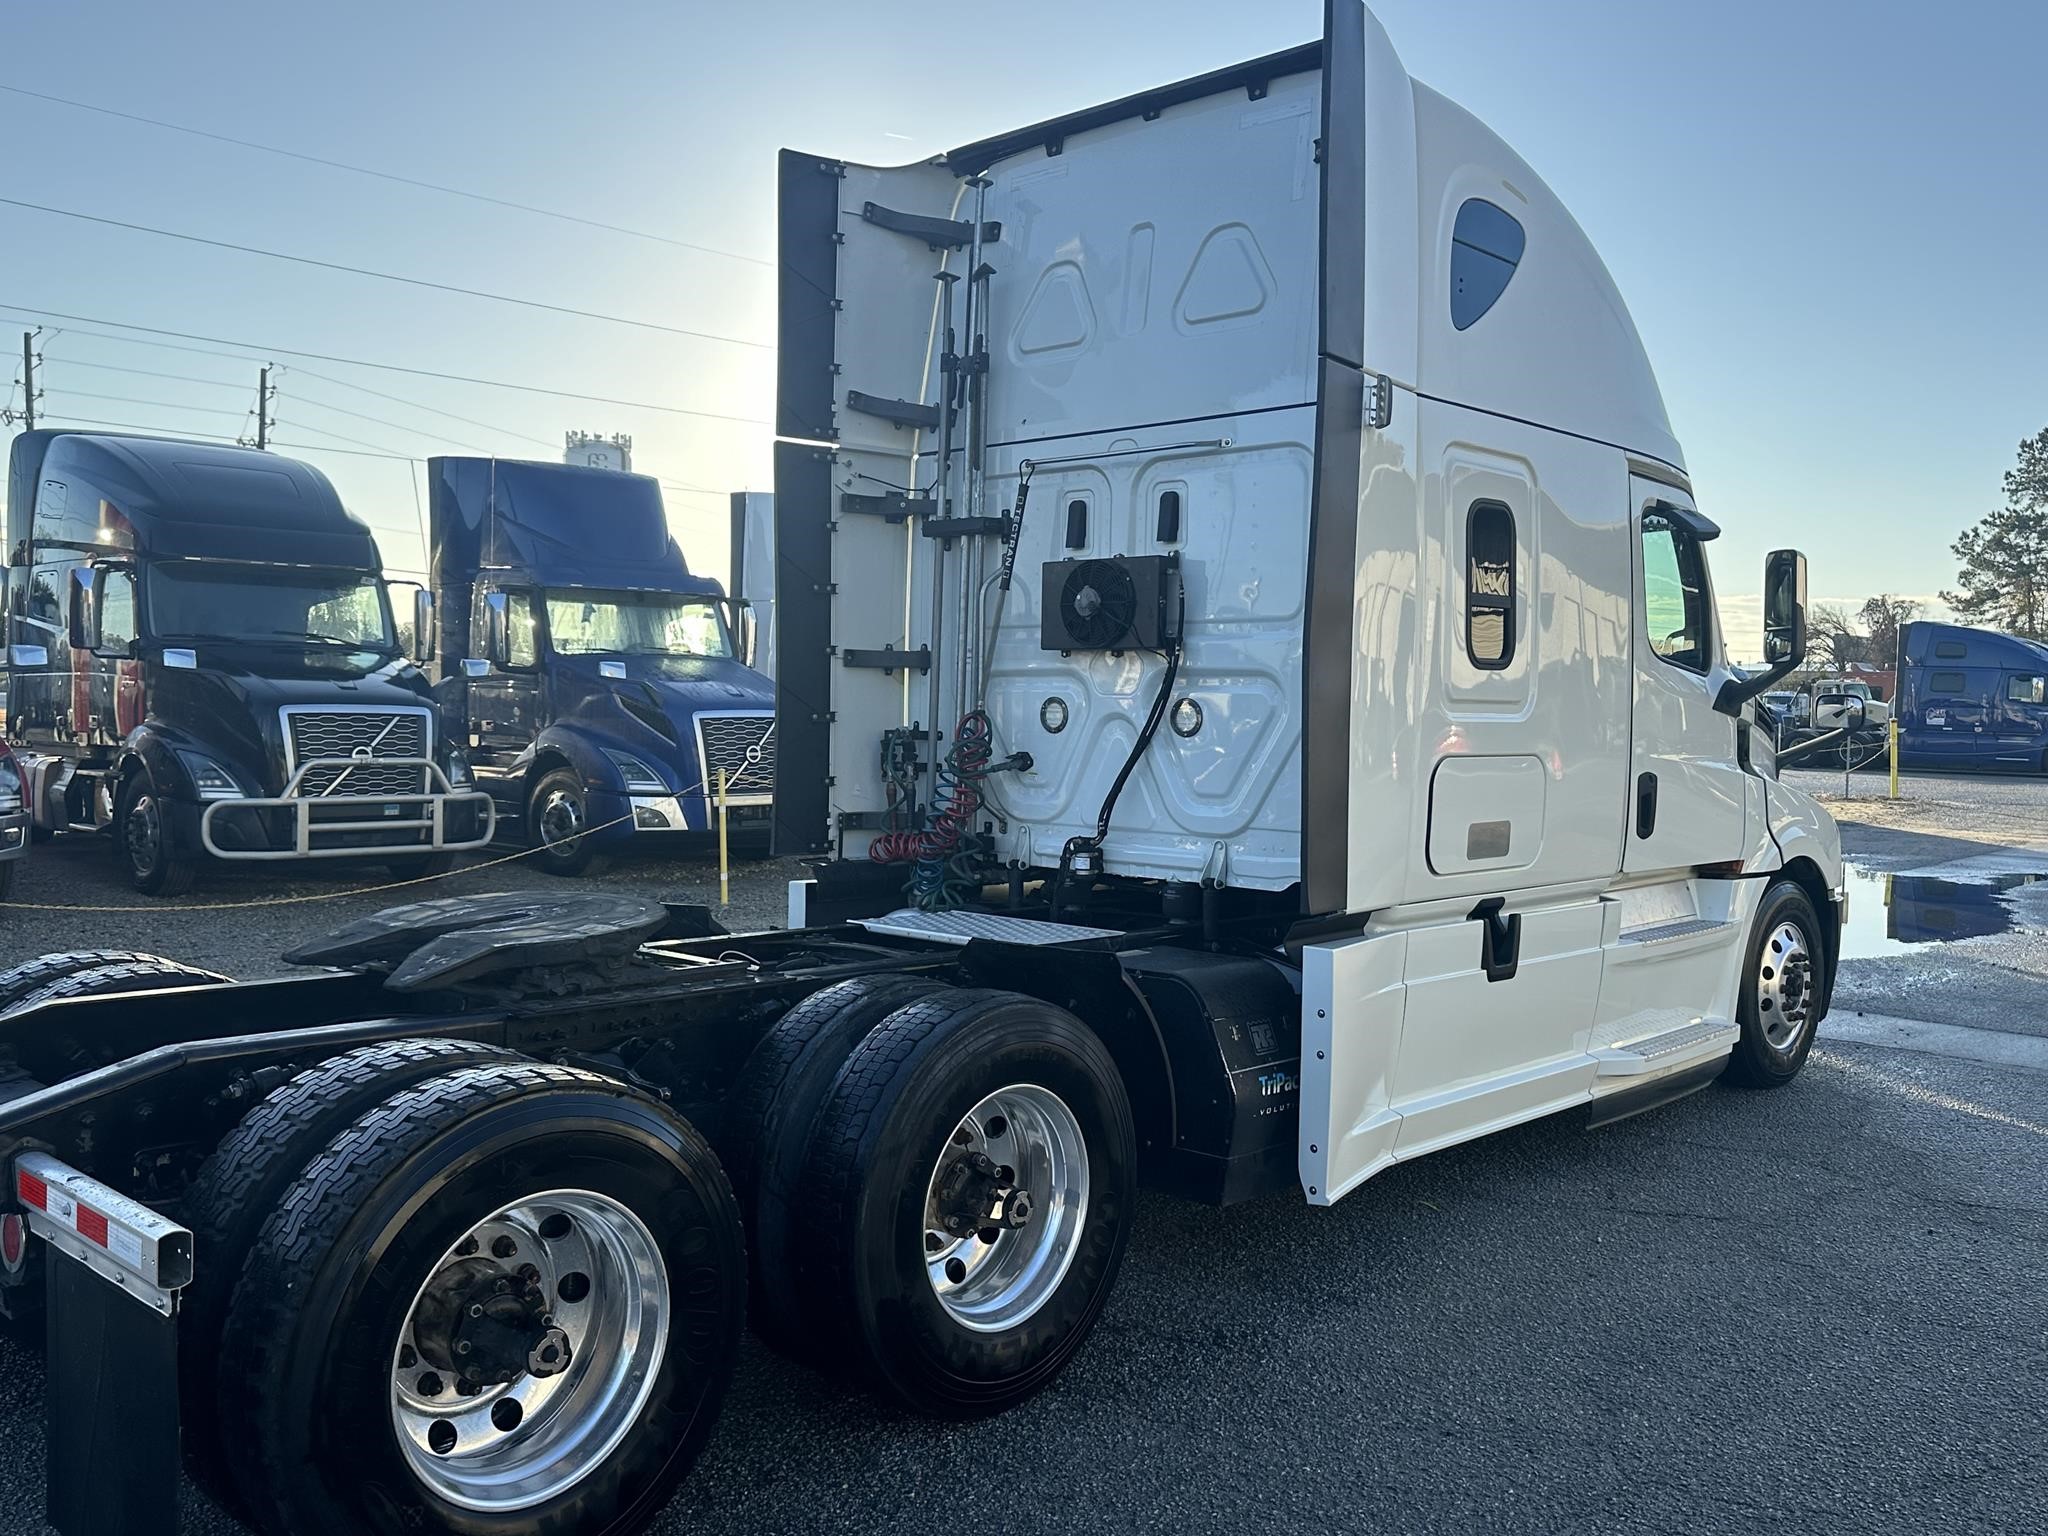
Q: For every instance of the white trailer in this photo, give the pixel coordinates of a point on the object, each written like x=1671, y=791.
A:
x=1248, y=660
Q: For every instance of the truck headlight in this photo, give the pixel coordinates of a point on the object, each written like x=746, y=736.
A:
x=639, y=778
x=209, y=780
x=459, y=776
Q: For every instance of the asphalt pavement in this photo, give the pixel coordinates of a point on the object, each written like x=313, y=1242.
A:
x=1813, y=1310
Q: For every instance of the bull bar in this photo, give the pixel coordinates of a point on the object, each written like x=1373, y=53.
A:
x=431, y=814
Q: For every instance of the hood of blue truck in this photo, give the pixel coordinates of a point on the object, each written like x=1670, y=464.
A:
x=648, y=705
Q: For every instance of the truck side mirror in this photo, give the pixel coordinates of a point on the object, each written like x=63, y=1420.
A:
x=1784, y=630
x=1784, y=607
x=497, y=627
x=424, y=640
x=740, y=611
x=81, y=611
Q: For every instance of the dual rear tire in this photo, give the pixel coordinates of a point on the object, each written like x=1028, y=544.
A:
x=500, y=1297
x=945, y=1191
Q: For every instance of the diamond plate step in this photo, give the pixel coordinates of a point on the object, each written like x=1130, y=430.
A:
x=1695, y=1040
x=963, y=927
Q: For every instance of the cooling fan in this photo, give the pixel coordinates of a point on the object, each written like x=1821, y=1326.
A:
x=1120, y=604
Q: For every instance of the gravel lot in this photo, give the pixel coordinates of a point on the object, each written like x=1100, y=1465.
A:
x=1810, y=1311
x=71, y=895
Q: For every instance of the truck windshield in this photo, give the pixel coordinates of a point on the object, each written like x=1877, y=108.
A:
x=585, y=623
x=267, y=604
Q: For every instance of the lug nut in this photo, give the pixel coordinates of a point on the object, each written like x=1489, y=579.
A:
x=503, y=1247
x=465, y=1248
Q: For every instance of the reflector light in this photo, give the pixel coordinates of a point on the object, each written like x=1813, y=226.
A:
x=33, y=1190
x=92, y=1225
x=13, y=1240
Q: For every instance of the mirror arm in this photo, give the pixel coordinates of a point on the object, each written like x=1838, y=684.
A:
x=1736, y=691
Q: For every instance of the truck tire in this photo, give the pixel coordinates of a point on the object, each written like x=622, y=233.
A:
x=965, y=1322
x=1784, y=979
x=558, y=824
x=148, y=974
x=768, y=1129
x=142, y=839
x=596, y=1228
x=16, y=982
x=241, y=1182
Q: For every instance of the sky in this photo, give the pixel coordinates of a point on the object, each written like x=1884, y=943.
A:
x=1826, y=221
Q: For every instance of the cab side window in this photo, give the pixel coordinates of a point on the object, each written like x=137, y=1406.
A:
x=2026, y=690
x=1674, y=592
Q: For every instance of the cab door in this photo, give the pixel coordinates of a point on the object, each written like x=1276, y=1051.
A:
x=1687, y=796
x=504, y=704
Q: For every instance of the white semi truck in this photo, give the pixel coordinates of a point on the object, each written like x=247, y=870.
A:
x=1249, y=671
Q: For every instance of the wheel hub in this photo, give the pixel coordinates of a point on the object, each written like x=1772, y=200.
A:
x=1784, y=986
x=1005, y=1207
x=488, y=1327
x=529, y=1350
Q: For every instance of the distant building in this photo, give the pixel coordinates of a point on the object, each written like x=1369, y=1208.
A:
x=589, y=451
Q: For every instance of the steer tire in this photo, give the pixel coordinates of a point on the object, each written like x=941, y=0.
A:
x=1758, y=1062
x=567, y=859
x=768, y=1131
x=147, y=974
x=16, y=982
x=316, y=1333
x=238, y=1186
x=154, y=867
x=872, y=1298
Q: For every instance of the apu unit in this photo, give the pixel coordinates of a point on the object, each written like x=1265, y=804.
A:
x=1130, y=603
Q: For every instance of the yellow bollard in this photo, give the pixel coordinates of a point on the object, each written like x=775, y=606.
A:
x=724, y=865
x=1892, y=733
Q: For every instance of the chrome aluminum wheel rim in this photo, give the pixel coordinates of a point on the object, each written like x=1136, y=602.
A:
x=511, y=1445
x=144, y=831
x=998, y=1275
x=561, y=819
x=1784, y=986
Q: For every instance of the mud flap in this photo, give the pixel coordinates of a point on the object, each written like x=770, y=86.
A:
x=111, y=1407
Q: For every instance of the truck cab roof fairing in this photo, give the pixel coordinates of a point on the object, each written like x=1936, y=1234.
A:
x=1557, y=348
x=195, y=500
x=585, y=527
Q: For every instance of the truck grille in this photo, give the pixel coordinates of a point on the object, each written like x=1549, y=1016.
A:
x=316, y=733
x=742, y=742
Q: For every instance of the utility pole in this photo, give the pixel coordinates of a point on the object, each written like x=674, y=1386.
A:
x=263, y=408
x=28, y=378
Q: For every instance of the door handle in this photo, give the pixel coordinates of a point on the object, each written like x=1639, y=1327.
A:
x=1646, y=804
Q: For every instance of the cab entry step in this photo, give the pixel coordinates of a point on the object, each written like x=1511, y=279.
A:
x=1670, y=1046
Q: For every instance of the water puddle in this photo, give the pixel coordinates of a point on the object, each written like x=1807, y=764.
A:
x=1902, y=914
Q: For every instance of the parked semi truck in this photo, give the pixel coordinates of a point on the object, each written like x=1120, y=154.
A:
x=603, y=685
x=1251, y=683
x=1972, y=698
x=201, y=659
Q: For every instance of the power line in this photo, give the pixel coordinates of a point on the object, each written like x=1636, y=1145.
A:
x=366, y=452
x=146, y=373
x=363, y=170
x=357, y=362
x=380, y=421
x=389, y=277
x=340, y=437
x=168, y=405
x=420, y=405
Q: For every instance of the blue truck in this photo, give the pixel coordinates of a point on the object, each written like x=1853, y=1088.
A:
x=1971, y=698
x=604, y=689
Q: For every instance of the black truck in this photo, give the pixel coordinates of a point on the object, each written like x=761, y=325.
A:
x=202, y=659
